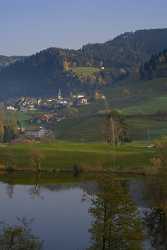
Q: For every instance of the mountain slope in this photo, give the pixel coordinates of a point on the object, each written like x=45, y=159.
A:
x=91, y=67
x=126, y=52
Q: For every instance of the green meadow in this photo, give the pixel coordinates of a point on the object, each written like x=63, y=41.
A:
x=63, y=156
x=85, y=71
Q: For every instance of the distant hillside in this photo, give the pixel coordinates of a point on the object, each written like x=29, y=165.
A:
x=7, y=60
x=93, y=66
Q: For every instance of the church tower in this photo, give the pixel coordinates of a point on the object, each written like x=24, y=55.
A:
x=59, y=96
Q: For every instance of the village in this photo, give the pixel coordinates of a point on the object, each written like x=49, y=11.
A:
x=25, y=104
x=43, y=113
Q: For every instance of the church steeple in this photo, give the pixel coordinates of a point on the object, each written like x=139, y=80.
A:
x=59, y=96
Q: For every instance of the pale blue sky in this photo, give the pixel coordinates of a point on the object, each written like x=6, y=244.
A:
x=27, y=26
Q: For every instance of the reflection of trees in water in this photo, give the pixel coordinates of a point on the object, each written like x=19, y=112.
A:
x=88, y=188
x=116, y=223
x=10, y=190
x=156, y=218
x=19, y=237
x=35, y=191
x=156, y=222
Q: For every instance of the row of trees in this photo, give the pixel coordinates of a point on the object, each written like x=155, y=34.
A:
x=8, y=127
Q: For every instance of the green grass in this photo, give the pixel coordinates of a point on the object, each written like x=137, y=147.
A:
x=85, y=71
x=62, y=156
x=148, y=107
x=146, y=127
x=81, y=129
x=129, y=94
x=91, y=128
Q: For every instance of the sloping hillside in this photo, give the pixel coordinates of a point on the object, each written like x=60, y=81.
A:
x=92, y=67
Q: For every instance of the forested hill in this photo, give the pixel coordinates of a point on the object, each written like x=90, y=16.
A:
x=156, y=67
x=129, y=49
x=90, y=67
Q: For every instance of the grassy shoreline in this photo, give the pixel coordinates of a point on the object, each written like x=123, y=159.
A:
x=63, y=156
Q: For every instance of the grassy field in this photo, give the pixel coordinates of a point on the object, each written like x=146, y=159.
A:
x=138, y=96
x=81, y=129
x=62, y=156
x=91, y=128
x=85, y=71
x=148, y=107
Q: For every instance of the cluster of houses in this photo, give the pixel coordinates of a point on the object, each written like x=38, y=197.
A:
x=49, y=112
x=50, y=109
x=25, y=104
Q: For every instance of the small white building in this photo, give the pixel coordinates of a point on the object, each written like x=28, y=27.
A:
x=83, y=100
x=11, y=108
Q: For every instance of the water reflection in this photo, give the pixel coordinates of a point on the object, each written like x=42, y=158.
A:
x=10, y=190
x=61, y=216
x=19, y=237
x=116, y=222
x=106, y=212
x=156, y=216
x=156, y=221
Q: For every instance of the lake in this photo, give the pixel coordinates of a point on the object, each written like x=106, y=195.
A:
x=102, y=212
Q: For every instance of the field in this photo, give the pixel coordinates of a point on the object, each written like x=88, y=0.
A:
x=148, y=107
x=91, y=128
x=85, y=71
x=63, y=156
x=138, y=96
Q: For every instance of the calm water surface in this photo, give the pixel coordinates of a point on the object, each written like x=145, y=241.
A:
x=104, y=213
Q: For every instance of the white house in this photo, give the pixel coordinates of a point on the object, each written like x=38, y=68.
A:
x=11, y=108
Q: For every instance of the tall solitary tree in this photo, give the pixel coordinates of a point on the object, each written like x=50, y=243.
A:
x=115, y=129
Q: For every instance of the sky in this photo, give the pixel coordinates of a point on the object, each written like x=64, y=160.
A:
x=28, y=26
